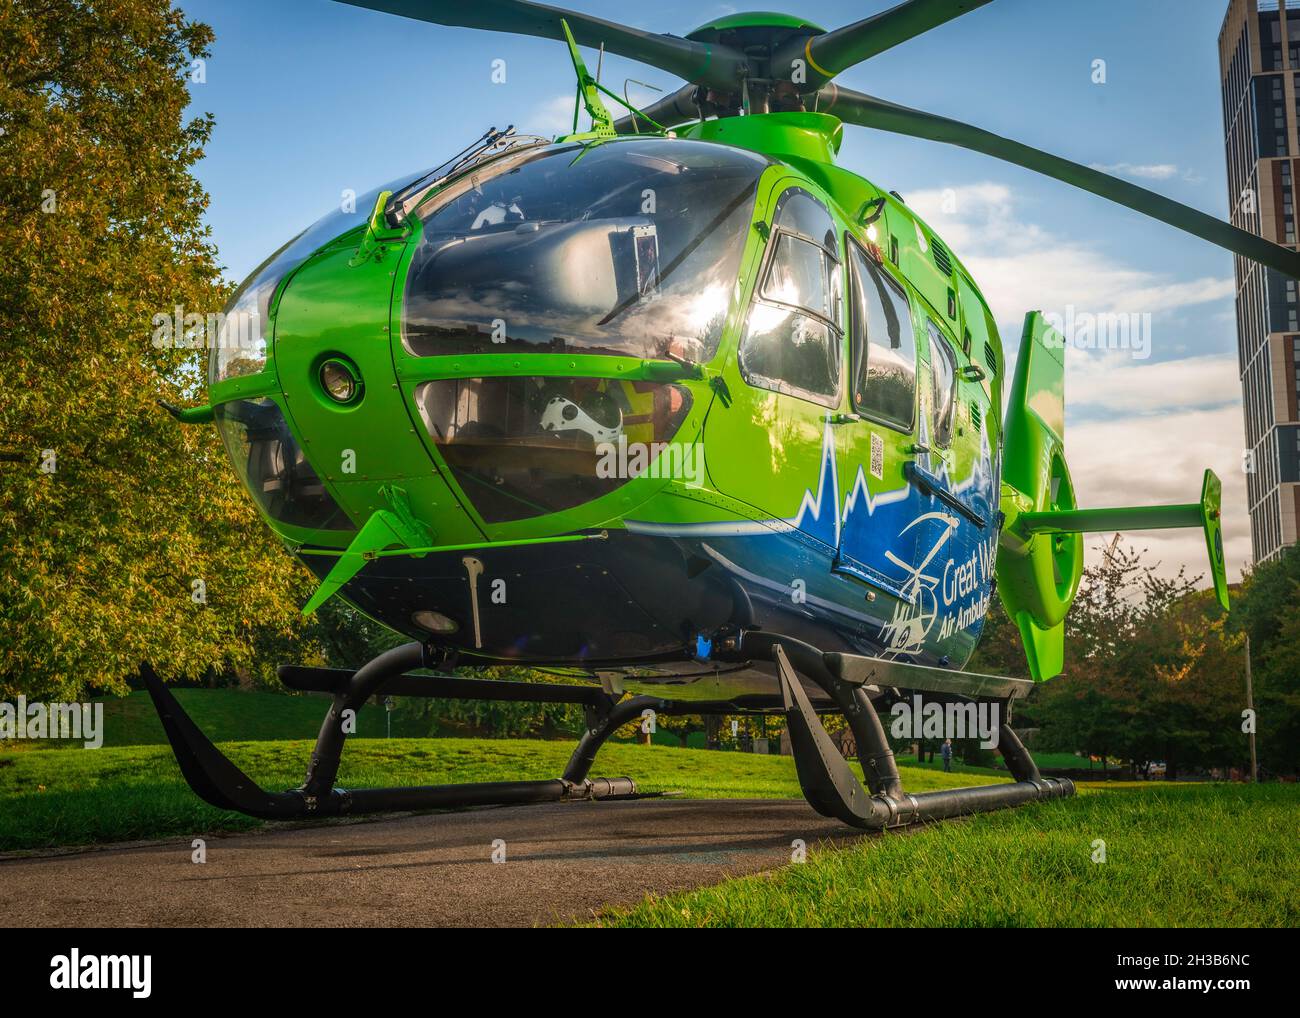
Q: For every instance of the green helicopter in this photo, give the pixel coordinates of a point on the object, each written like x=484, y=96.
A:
x=678, y=406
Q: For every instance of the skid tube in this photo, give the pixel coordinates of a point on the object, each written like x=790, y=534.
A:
x=834, y=791
x=218, y=781
x=829, y=785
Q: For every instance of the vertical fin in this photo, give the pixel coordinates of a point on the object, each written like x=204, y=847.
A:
x=1044, y=648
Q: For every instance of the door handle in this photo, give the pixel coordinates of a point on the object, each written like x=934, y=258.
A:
x=931, y=485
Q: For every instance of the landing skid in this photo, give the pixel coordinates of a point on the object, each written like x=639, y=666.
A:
x=217, y=780
x=826, y=780
x=832, y=789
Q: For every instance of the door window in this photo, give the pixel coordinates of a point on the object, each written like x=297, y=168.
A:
x=943, y=368
x=792, y=337
x=884, y=345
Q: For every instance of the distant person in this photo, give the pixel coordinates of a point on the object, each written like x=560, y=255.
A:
x=946, y=752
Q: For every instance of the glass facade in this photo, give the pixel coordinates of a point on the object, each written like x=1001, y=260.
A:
x=1259, y=59
x=1269, y=98
x=1288, y=450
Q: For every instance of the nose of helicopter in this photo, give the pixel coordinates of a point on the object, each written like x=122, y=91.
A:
x=517, y=360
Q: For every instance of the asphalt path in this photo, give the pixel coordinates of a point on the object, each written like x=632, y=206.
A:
x=560, y=863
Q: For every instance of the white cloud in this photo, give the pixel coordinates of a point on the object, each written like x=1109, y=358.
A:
x=1146, y=171
x=1159, y=460
x=1022, y=267
x=554, y=116
x=1114, y=382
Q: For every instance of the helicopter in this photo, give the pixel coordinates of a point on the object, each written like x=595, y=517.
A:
x=676, y=406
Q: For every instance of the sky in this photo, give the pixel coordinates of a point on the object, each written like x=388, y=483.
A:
x=314, y=97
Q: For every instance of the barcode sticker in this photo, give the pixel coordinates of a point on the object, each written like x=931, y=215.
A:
x=877, y=456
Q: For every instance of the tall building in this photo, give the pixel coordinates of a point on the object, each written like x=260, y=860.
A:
x=1259, y=62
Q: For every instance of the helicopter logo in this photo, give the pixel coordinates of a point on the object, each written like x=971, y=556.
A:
x=915, y=615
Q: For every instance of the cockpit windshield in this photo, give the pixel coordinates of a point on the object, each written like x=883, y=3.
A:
x=240, y=346
x=623, y=247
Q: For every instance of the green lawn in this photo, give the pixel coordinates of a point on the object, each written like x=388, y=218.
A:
x=1200, y=855
x=228, y=715
x=1180, y=854
x=78, y=796
x=224, y=714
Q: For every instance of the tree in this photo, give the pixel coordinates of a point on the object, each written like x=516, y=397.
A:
x=681, y=725
x=1153, y=672
x=1268, y=611
x=130, y=538
x=1197, y=714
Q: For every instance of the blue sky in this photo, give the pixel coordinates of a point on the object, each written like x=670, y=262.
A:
x=312, y=97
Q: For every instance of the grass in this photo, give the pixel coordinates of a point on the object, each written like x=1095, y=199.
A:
x=228, y=715
x=77, y=797
x=1178, y=854
x=224, y=714
x=1196, y=855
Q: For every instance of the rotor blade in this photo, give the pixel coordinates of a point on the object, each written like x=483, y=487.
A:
x=868, y=111
x=671, y=110
x=825, y=55
x=698, y=62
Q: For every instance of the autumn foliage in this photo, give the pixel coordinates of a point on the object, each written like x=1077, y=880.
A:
x=109, y=509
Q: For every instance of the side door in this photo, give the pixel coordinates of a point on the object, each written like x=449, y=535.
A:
x=879, y=536
x=775, y=447
x=955, y=459
x=954, y=471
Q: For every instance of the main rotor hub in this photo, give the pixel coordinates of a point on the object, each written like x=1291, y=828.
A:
x=754, y=26
x=757, y=34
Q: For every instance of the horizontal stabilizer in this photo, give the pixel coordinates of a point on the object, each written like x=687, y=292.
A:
x=1205, y=514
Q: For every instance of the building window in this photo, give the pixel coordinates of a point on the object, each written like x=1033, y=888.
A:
x=1288, y=448
x=1270, y=115
x=1270, y=40
x=1288, y=203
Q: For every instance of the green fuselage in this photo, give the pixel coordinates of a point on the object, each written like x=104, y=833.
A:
x=766, y=383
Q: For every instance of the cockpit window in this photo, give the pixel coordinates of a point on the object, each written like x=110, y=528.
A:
x=527, y=446
x=624, y=248
x=272, y=466
x=943, y=369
